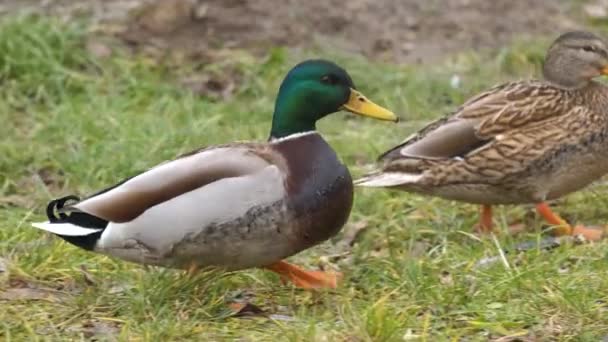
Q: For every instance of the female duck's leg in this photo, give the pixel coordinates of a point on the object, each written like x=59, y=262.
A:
x=192, y=270
x=305, y=279
x=564, y=228
x=485, y=219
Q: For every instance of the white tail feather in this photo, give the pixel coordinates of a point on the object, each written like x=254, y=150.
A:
x=388, y=179
x=66, y=229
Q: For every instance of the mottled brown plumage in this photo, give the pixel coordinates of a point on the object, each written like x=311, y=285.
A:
x=519, y=142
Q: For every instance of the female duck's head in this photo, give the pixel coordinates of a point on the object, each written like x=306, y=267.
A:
x=575, y=58
x=314, y=89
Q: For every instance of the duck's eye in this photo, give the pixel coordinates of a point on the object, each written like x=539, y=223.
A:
x=329, y=79
x=589, y=48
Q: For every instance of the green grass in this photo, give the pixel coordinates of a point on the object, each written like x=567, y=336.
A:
x=74, y=124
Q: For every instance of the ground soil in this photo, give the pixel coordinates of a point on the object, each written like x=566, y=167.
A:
x=406, y=31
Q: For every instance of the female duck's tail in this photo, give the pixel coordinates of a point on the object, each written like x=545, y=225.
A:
x=387, y=179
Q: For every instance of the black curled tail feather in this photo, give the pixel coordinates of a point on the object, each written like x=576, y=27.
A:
x=56, y=205
x=56, y=214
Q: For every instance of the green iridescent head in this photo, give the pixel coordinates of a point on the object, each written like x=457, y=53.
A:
x=314, y=89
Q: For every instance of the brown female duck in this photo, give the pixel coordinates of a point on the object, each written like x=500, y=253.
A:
x=519, y=142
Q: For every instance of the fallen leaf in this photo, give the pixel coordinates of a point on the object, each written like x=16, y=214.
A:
x=284, y=318
x=378, y=252
x=17, y=282
x=245, y=309
x=50, y=176
x=352, y=232
x=120, y=288
x=409, y=335
x=95, y=327
x=200, y=11
x=163, y=17
x=602, y=306
x=3, y=266
x=495, y=305
x=383, y=44
x=4, y=274
x=517, y=228
x=596, y=10
x=515, y=338
x=32, y=245
x=486, y=262
x=419, y=249
x=98, y=49
x=455, y=81
x=210, y=86
x=446, y=278
x=544, y=244
x=27, y=293
x=16, y=201
x=88, y=277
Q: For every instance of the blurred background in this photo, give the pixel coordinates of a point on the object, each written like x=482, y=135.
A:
x=402, y=31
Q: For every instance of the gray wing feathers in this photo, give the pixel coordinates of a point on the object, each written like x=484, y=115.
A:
x=169, y=180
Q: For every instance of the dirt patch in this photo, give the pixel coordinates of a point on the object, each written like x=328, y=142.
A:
x=394, y=30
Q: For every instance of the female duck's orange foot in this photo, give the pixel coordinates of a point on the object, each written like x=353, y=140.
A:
x=564, y=228
x=589, y=233
x=305, y=279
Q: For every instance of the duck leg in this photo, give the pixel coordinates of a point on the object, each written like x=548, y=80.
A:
x=305, y=279
x=192, y=270
x=564, y=228
x=485, y=219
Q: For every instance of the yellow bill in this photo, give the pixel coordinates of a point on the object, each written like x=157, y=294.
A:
x=359, y=104
x=605, y=70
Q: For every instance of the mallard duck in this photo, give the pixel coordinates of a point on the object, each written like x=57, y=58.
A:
x=519, y=142
x=238, y=205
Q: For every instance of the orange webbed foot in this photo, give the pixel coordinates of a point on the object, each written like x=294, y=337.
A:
x=305, y=279
x=564, y=228
x=589, y=233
